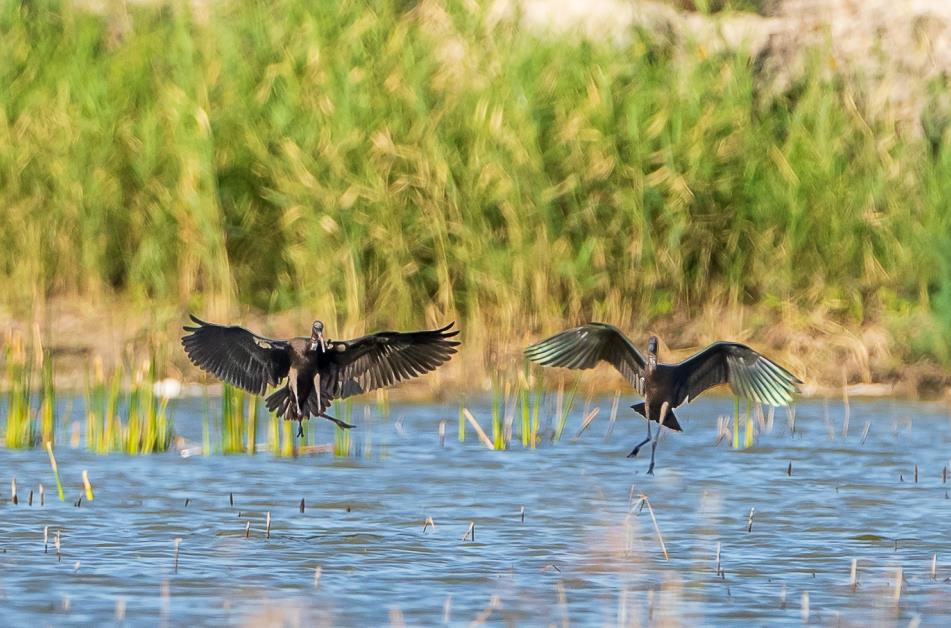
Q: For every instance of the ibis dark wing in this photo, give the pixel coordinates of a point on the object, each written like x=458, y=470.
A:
x=583, y=347
x=749, y=374
x=387, y=357
x=236, y=355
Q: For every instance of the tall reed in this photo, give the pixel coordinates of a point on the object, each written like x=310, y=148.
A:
x=342, y=444
x=563, y=409
x=30, y=416
x=20, y=427
x=147, y=427
x=439, y=154
x=238, y=421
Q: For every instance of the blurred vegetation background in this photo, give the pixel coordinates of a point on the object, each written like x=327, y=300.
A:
x=397, y=163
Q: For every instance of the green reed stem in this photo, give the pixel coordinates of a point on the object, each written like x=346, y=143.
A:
x=59, y=484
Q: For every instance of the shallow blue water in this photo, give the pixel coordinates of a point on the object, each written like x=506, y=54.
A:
x=586, y=552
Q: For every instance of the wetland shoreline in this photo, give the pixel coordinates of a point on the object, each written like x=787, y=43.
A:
x=826, y=355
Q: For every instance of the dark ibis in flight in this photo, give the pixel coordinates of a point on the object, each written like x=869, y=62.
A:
x=666, y=386
x=318, y=369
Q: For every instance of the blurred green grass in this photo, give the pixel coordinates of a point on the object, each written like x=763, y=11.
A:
x=383, y=159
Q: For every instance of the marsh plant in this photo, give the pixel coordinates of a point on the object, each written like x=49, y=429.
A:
x=30, y=394
x=248, y=143
x=239, y=414
x=133, y=420
x=519, y=400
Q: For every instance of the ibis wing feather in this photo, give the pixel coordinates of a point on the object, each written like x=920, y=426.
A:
x=749, y=374
x=236, y=355
x=583, y=347
x=385, y=358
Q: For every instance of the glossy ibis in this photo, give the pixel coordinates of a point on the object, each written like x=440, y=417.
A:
x=318, y=369
x=667, y=386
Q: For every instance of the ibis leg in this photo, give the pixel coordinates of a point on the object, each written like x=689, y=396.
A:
x=317, y=390
x=650, y=469
x=643, y=442
x=340, y=423
x=292, y=386
x=663, y=415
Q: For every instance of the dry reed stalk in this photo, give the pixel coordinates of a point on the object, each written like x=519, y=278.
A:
x=749, y=522
x=429, y=523
x=302, y=505
x=46, y=539
x=846, y=411
x=759, y=416
x=723, y=431
x=59, y=485
x=563, y=603
x=317, y=572
x=267, y=525
x=178, y=542
x=868, y=424
x=396, y=618
x=825, y=419
x=588, y=419
x=247, y=530
x=447, y=609
x=804, y=607
x=898, y=582
x=622, y=619
x=495, y=602
x=470, y=532
x=660, y=538
x=13, y=491
x=478, y=428
x=613, y=417
x=853, y=575
x=87, y=486
x=934, y=566
x=509, y=402
x=521, y=514
x=165, y=595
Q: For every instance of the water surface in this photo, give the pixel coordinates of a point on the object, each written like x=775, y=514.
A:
x=587, y=551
